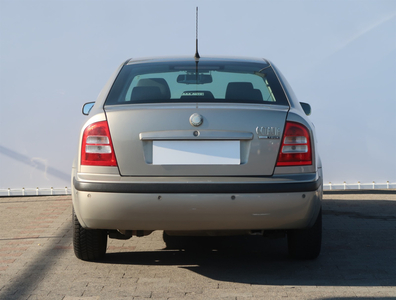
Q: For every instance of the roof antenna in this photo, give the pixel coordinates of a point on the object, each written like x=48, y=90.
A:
x=196, y=35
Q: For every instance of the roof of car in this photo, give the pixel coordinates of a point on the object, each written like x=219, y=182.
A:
x=202, y=58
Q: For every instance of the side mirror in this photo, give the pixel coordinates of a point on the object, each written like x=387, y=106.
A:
x=87, y=108
x=306, y=108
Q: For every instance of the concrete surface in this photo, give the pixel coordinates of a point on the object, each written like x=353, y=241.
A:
x=358, y=259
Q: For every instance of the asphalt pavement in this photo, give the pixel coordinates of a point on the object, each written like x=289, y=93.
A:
x=358, y=258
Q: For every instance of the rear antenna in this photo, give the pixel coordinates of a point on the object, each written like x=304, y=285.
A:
x=196, y=35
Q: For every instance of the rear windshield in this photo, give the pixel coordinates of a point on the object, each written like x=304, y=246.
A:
x=190, y=81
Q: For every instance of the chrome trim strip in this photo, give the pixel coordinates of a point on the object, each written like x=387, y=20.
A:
x=189, y=135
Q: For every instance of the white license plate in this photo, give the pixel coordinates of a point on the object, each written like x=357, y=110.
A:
x=196, y=153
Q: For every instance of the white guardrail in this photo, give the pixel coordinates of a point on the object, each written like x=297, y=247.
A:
x=359, y=186
x=67, y=190
x=35, y=191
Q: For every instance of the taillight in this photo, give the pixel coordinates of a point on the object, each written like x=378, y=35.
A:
x=296, y=146
x=97, y=148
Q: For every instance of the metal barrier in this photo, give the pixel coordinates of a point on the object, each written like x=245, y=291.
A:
x=67, y=191
x=34, y=191
x=360, y=186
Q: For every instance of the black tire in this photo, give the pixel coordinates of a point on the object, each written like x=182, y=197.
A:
x=306, y=243
x=89, y=244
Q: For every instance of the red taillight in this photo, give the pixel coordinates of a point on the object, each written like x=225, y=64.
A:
x=296, y=146
x=97, y=148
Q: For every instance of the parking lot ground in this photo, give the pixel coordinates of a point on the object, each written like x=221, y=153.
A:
x=358, y=258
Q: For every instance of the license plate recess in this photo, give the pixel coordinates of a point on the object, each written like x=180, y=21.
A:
x=196, y=153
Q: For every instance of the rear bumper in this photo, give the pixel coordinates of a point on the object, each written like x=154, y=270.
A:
x=197, y=206
x=197, y=188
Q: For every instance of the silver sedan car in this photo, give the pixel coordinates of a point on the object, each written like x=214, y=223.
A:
x=209, y=146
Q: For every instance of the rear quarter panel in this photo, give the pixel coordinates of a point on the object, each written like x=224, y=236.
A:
x=296, y=114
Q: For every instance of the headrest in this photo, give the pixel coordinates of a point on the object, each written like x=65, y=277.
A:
x=158, y=82
x=243, y=91
x=146, y=93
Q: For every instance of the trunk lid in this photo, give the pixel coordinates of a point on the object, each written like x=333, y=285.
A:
x=161, y=140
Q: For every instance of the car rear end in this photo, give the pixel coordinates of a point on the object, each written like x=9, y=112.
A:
x=208, y=146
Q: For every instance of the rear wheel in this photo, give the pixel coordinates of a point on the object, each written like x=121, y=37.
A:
x=89, y=244
x=306, y=243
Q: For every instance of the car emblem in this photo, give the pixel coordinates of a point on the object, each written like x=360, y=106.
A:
x=196, y=120
x=268, y=132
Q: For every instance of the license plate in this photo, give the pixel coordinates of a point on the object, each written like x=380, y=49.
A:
x=196, y=153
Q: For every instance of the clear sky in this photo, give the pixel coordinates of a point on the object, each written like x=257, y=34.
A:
x=338, y=55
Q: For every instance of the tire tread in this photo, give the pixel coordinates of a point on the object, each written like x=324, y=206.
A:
x=88, y=244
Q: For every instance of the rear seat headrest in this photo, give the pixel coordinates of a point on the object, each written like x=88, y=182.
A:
x=146, y=93
x=158, y=82
x=243, y=91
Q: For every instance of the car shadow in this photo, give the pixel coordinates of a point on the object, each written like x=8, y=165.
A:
x=357, y=250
